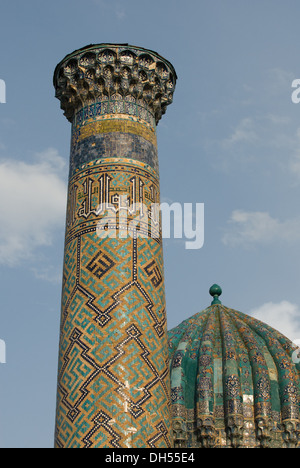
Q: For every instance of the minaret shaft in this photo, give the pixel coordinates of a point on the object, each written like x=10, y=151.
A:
x=113, y=378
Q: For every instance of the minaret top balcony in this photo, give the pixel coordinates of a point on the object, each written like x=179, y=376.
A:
x=114, y=71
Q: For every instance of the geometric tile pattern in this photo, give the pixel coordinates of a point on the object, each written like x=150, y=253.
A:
x=233, y=382
x=113, y=384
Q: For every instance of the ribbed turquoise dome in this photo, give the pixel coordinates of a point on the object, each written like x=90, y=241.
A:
x=233, y=382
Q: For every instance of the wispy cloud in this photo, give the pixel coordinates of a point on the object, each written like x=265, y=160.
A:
x=47, y=273
x=283, y=316
x=120, y=12
x=33, y=205
x=294, y=161
x=278, y=82
x=246, y=228
x=278, y=119
x=110, y=6
x=265, y=133
x=243, y=133
x=270, y=141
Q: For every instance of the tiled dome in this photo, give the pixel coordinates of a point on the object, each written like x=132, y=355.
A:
x=234, y=381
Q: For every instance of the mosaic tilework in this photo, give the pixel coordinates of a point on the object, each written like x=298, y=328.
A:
x=113, y=371
x=113, y=382
x=233, y=382
x=116, y=104
x=113, y=137
x=117, y=125
x=118, y=183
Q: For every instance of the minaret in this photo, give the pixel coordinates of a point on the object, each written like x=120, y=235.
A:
x=113, y=378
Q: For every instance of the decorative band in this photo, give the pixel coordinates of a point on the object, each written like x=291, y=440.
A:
x=114, y=125
x=110, y=195
x=114, y=107
x=132, y=164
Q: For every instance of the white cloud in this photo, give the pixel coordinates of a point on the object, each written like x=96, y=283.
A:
x=294, y=162
x=110, y=6
x=243, y=133
x=247, y=228
x=283, y=316
x=120, y=12
x=267, y=136
x=279, y=81
x=48, y=273
x=278, y=119
x=265, y=132
x=33, y=205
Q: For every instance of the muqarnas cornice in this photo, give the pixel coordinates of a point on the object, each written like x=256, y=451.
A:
x=99, y=72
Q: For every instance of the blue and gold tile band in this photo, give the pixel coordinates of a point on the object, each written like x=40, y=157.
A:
x=113, y=137
x=117, y=125
x=134, y=108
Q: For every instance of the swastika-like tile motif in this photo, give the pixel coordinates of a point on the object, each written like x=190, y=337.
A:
x=100, y=264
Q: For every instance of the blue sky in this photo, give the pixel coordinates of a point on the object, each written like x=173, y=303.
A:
x=230, y=140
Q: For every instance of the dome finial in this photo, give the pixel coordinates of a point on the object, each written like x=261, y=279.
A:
x=215, y=291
